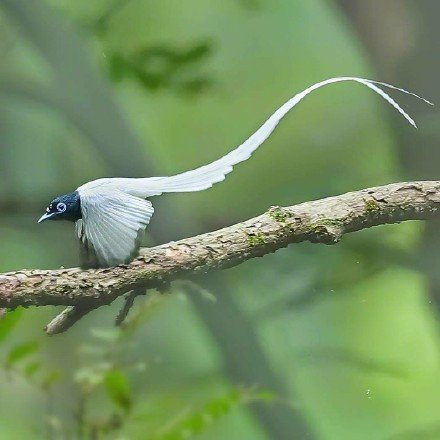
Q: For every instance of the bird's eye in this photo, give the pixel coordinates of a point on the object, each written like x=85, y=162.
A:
x=61, y=207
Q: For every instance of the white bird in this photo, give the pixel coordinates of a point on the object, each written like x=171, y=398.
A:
x=111, y=214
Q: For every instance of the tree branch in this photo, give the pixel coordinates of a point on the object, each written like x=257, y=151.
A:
x=321, y=221
x=68, y=317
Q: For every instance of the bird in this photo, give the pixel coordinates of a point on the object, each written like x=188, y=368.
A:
x=111, y=214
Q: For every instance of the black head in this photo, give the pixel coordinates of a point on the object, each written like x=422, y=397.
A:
x=65, y=207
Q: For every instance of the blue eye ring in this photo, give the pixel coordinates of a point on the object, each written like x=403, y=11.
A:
x=61, y=207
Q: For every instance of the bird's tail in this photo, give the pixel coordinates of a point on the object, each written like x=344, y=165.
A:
x=205, y=176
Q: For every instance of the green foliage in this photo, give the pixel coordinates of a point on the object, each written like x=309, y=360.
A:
x=196, y=421
x=348, y=332
x=162, y=67
x=117, y=388
x=20, y=352
x=49, y=379
x=8, y=322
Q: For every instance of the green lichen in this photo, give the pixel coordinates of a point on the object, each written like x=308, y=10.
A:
x=278, y=214
x=256, y=239
x=322, y=226
x=371, y=206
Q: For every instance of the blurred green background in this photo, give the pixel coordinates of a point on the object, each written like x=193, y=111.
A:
x=312, y=342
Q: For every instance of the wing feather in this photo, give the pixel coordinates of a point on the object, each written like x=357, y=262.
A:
x=111, y=227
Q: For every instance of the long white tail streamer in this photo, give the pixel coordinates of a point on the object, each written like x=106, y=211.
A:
x=205, y=176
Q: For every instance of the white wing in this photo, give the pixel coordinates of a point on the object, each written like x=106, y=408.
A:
x=204, y=177
x=111, y=227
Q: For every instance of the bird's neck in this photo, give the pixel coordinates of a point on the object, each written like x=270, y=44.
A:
x=73, y=211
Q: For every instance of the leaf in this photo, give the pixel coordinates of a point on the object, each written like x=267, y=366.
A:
x=50, y=378
x=8, y=322
x=198, y=420
x=196, y=53
x=31, y=369
x=19, y=352
x=118, y=389
x=194, y=422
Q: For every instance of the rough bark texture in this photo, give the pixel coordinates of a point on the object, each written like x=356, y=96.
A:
x=321, y=221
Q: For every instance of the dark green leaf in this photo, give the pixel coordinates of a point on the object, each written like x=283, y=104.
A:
x=118, y=388
x=196, y=53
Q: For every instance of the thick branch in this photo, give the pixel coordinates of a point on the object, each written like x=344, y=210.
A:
x=320, y=221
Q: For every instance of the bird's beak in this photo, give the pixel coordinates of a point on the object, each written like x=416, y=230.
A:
x=45, y=217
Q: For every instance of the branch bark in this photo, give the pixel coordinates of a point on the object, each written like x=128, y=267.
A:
x=68, y=317
x=321, y=221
